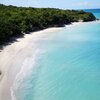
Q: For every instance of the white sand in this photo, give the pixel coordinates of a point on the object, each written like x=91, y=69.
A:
x=15, y=56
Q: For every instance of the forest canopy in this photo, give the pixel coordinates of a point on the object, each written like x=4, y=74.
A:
x=19, y=20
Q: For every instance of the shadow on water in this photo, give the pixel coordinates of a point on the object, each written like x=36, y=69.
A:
x=10, y=41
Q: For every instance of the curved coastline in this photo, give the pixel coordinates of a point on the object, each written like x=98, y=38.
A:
x=15, y=55
x=18, y=20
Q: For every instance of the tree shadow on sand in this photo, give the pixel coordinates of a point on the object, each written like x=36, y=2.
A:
x=10, y=41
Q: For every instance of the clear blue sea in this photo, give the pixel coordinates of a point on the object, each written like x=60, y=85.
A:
x=68, y=67
x=96, y=12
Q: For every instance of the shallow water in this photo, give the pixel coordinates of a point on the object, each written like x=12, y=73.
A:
x=68, y=67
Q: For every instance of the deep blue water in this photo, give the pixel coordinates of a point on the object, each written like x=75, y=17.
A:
x=68, y=67
x=96, y=12
x=93, y=10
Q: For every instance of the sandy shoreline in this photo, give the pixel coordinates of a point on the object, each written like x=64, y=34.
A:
x=17, y=55
x=13, y=57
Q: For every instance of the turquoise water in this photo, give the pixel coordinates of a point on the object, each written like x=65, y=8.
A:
x=96, y=12
x=97, y=15
x=68, y=67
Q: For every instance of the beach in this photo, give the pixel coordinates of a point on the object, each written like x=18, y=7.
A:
x=15, y=57
x=49, y=50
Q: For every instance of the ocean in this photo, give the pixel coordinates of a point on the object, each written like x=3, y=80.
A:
x=67, y=66
x=96, y=12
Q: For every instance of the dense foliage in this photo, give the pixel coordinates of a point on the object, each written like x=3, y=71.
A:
x=18, y=20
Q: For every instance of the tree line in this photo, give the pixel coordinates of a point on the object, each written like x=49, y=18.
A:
x=18, y=20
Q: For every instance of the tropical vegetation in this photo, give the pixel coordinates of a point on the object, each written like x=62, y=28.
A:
x=18, y=20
